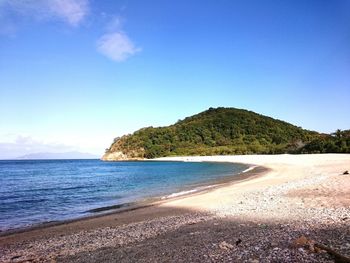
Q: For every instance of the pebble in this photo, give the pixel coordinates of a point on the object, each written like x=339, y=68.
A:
x=259, y=213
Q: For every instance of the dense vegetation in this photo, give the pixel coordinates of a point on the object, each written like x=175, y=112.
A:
x=338, y=142
x=217, y=132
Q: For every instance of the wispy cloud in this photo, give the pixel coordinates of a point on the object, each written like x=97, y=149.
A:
x=17, y=145
x=71, y=12
x=115, y=43
x=115, y=24
x=117, y=46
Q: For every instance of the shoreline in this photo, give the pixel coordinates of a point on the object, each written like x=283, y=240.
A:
x=204, y=187
x=253, y=220
x=282, y=169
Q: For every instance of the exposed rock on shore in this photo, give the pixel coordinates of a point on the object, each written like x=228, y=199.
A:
x=115, y=156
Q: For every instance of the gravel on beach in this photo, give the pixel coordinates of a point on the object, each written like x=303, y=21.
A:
x=259, y=226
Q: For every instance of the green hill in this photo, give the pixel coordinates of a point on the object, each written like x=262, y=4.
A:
x=338, y=142
x=217, y=131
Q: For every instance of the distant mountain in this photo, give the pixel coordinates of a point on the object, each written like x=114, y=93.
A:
x=217, y=131
x=64, y=155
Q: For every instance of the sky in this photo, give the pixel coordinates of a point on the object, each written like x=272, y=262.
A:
x=74, y=74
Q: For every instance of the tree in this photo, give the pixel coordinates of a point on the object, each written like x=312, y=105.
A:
x=337, y=133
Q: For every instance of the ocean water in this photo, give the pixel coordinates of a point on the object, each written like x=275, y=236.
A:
x=38, y=191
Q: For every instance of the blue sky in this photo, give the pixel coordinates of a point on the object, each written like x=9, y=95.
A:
x=74, y=74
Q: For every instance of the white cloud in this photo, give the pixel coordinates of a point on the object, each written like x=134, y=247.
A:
x=116, y=46
x=71, y=12
x=13, y=146
x=115, y=43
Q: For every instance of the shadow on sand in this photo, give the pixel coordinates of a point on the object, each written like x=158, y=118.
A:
x=219, y=240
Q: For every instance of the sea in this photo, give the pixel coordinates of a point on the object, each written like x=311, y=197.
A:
x=33, y=192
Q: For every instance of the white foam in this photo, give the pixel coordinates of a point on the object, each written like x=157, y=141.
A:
x=179, y=194
x=248, y=169
x=187, y=192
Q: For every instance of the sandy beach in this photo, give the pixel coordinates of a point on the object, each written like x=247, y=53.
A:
x=283, y=213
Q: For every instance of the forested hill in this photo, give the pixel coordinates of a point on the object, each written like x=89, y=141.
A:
x=213, y=132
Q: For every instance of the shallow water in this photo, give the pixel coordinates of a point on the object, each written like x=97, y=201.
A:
x=37, y=191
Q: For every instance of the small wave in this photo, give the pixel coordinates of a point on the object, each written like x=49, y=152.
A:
x=248, y=169
x=186, y=192
x=179, y=193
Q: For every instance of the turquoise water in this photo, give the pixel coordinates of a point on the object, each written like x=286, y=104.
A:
x=38, y=191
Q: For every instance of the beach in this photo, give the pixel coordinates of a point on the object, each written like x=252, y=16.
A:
x=281, y=212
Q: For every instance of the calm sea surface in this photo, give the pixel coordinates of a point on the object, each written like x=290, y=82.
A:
x=37, y=191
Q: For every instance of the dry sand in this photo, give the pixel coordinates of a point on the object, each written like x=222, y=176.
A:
x=255, y=220
x=302, y=181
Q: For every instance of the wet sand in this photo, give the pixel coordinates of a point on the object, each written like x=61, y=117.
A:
x=253, y=220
